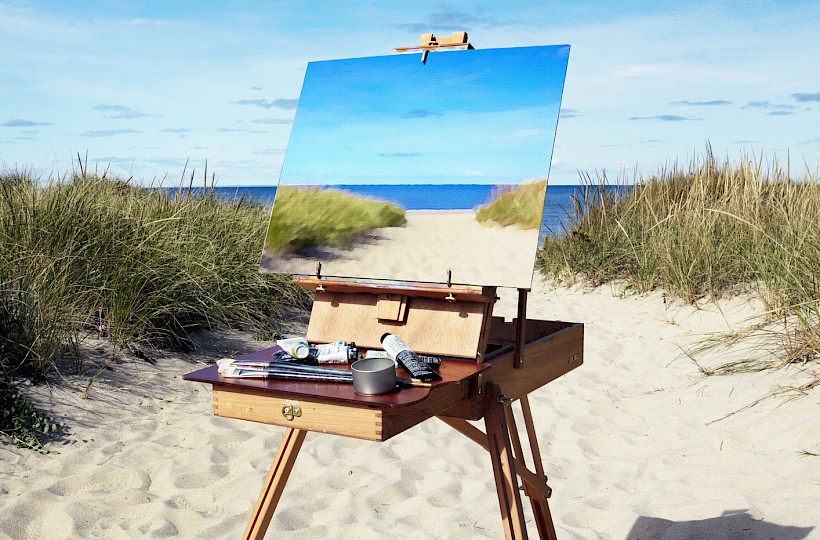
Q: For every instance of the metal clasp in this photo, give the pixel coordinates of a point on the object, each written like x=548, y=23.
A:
x=291, y=411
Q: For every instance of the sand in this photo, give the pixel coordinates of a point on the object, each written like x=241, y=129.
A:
x=633, y=443
x=424, y=249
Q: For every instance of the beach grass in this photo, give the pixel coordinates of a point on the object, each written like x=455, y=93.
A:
x=705, y=231
x=305, y=217
x=87, y=254
x=520, y=205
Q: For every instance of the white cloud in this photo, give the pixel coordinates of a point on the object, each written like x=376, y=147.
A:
x=474, y=173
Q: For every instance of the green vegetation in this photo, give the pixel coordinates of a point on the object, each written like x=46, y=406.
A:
x=19, y=420
x=313, y=216
x=88, y=255
x=519, y=205
x=705, y=232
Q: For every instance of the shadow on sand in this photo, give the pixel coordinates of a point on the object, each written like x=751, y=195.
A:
x=731, y=525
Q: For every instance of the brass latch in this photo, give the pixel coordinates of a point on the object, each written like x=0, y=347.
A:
x=291, y=411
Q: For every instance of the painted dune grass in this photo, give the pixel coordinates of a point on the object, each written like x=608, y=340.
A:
x=519, y=205
x=304, y=217
x=708, y=231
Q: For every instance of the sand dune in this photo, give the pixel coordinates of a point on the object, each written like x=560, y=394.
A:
x=630, y=442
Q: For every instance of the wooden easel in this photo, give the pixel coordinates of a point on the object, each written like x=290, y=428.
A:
x=489, y=364
x=507, y=360
x=511, y=360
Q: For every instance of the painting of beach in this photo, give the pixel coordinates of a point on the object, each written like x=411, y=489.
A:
x=379, y=128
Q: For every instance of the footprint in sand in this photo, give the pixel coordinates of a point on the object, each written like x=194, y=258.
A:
x=445, y=495
x=105, y=480
x=37, y=520
x=200, y=478
x=201, y=504
x=292, y=520
x=230, y=439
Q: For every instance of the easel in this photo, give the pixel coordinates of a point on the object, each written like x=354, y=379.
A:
x=489, y=364
x=504, y=371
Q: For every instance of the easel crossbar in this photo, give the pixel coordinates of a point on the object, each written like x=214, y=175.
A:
x=529, y=478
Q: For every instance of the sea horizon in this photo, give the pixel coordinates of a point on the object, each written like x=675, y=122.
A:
x=444, y=197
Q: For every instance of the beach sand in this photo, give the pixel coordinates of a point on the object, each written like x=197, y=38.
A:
x=424, y=249
x=632, y=441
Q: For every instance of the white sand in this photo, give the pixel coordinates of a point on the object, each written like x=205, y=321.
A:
x=424, y=249
x=628, y=439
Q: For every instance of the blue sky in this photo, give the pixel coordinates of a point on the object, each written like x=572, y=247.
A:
x=141, y=87
x=478, y=117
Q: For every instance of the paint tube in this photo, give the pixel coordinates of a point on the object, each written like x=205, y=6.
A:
x=407, y=359
x=334, y=353
x=296, y=347
x=434, y=362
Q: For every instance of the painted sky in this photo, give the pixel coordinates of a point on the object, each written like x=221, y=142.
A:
x=143, y=87
x=481, y=117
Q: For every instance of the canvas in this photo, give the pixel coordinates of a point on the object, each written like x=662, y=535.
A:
x=435, y=140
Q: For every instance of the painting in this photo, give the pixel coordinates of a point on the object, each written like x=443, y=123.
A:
x=422, y=168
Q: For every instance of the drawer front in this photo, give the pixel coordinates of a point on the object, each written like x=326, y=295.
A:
x=245, y=404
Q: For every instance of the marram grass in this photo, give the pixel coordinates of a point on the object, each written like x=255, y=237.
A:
x=705, y=231
x=92, y=255
x=87, y=255
x=518, y=205
x=315, y=216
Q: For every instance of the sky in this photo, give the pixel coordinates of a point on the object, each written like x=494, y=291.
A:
x=147, y=90
x=483, y=116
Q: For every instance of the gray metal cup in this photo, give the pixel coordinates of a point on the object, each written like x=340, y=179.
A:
x=374, y=376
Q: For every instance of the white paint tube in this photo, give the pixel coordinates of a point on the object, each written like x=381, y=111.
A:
x=407, y=359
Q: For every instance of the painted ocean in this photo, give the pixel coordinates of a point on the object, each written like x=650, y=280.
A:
x=425, y=197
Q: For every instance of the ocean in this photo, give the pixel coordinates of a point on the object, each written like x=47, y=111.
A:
x=425, y=197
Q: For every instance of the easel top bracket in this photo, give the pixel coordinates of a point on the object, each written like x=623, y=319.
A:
x=429, y=42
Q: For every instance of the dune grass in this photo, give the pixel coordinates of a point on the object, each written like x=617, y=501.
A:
x=89, y=255
x=518, y=205
x=314, y=216
x=706, y=231
x=131, y=264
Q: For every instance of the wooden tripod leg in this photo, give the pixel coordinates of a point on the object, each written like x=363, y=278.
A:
x=506, y=480
x=274, y=484
x=536, y=499
x=540, y=506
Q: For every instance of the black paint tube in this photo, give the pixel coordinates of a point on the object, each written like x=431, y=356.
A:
x=433, y=362
x=407, y=359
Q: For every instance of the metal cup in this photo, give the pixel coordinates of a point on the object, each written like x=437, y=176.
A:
x=373, y=376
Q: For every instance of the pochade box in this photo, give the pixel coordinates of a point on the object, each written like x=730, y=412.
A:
x=412, y=190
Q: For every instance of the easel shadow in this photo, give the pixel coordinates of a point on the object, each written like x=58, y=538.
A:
x=730, y=525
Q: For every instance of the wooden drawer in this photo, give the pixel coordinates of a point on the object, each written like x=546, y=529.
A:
x=373, y=422
x=306, y=414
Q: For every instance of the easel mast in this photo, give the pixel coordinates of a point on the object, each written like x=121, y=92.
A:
x=446, y=320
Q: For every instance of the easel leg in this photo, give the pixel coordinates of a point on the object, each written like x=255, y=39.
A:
x=540, y=507
x=535, y=483
x=274, y=484
x=506, y=480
